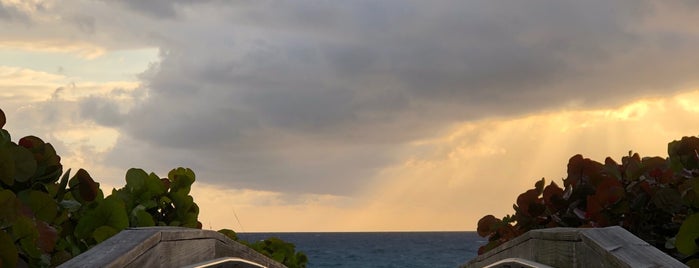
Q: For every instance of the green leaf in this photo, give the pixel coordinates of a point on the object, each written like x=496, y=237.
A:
x=110, y=211
x=48, y=174
x=124, y=195
x=8, y=251
x=148, y=204
x=182, y=179
x=43, y=206
x=8, y=207
x=5, y=137
x=26, y=232
x=184, y=205
x=140, y=217
x=62, y=186
x=165, y=200
x=25, y=164
x=24, y=228
x=7, y=164
x=687, y=237
x=154, y=185
x=135, y=179
x=229, y=233
x=103, y=233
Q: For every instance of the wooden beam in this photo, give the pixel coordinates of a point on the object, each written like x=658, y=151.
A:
x=165, y=247
x=579, y=247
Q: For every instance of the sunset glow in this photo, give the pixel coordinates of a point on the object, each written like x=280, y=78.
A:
x=348, y=116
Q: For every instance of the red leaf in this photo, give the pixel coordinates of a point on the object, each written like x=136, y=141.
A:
x=47, y=236
x=3, y=120
x=610, y=162
x=486, y=225
x=166, y=183
x=582, y=169
x=506, y=232
x=526, y=200
x=593, y=207
x=575, y=166
x=688, y=146
x=31, y=142
x=87, y=187
x=608, y=193
x=553, y=197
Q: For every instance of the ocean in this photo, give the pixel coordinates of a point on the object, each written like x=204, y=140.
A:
x=381, y=249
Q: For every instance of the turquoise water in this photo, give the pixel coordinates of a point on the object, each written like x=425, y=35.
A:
x=389, y=249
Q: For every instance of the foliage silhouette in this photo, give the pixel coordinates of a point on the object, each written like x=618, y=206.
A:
x=655, y=198
x=48, y=217
x=275, y=248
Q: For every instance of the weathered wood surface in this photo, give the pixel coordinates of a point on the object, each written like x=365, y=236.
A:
x=227, y=262
x=579, y=247
x=165, y=247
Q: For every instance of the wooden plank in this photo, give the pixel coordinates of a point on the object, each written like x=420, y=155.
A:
x=118, y=250
x=165, y=247
x=176, y=254
x=622, y=248
x=579, y=247
x=557, y=234
x=553, y=253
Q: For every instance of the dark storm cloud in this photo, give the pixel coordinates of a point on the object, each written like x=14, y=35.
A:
x=102, y=111
x=160, y=9
x=316, y=95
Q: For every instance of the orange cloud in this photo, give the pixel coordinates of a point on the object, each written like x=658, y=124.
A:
x=473, y=169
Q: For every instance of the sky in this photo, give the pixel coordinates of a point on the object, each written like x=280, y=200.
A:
x=311, y=115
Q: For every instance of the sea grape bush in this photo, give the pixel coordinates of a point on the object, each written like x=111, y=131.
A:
x=48, y=217
x=655, y=198
x=275, y=248
x=46, y=221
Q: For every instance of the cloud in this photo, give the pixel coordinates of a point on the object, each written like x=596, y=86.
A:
x=102, y=111
x=82, y=49
x=12, y=11
x=27, y=84
x=492, y=161
x=449, y=181
x=316, y=97
x=162, y=9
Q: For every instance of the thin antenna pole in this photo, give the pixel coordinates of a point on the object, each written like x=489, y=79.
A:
x=237, y=219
